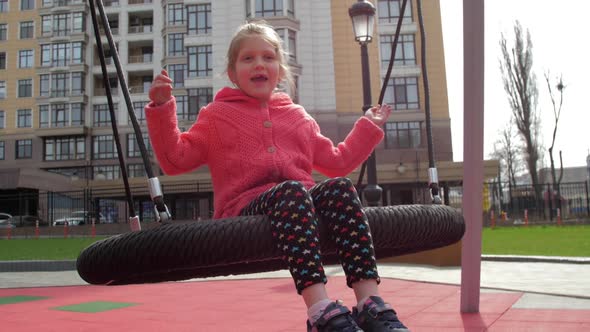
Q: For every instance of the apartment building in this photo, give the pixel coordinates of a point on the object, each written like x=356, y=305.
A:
x=55, y=125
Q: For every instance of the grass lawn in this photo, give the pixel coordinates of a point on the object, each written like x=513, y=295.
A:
x=571, y=240
x=43, y=248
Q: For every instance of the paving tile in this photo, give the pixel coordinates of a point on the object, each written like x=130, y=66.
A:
x=547, y=315
x=93, y=307
x=261, y=305
x=19, y=299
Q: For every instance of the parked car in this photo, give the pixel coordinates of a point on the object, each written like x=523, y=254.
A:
x=28, y=221
x=79, y=218
x=6, y=221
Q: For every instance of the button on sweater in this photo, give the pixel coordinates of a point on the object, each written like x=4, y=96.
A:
x=250, y=146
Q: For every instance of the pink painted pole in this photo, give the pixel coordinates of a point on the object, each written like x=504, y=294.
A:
x=473, y=107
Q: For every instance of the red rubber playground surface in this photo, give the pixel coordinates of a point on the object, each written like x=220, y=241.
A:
x=258, y=305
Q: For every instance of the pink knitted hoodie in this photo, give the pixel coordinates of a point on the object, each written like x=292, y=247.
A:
x=251, y=147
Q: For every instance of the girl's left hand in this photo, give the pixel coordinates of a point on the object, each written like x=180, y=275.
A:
x=378, y=114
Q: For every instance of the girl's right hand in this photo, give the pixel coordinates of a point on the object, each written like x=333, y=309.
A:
x=161, y=89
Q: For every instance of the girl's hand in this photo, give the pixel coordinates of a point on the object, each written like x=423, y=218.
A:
x=378, y=114
x=161, y=89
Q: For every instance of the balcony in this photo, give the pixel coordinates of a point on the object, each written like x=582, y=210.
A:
x=140, y=82
x=141, y=29
x=99, y=89
x=141, y=22
x=145, y=58
x=140, y=52
x=111, y=3
x=140, y=2
x=101, y=92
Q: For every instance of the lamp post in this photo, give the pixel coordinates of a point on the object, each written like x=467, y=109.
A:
x=362, y=14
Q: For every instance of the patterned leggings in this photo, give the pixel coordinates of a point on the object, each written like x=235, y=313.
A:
x=294, y=213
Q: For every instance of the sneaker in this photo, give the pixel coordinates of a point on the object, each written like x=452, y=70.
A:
x=378, y=316
x=336, y=317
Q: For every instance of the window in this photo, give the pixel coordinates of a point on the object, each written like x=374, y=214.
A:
x=292, y=46
x=114, y=24
x=43, y=116
x=103, y=147
x=24, y=149
x=175, y=44
x=264, y=8
x=197, y=98
x=25, y=88
x=2, y=150
x=177, y=74
x=2, y=89
x=60, y=54
x=107, y=172
x=2, y=60
x=389, y=11
x=26, y=30
x=77, y=114
x=102, y=116
x=139, y=109
x=136, y=170
x=44, y=85
x=176, y=14
x=289, y=43
x=269, y=8
x=77, y=84
x=3, y=6
x=25, y=59
x=3, y=31
x=60, y=25
x=199, y=19
x=59, y=85
x=64, y=148
x=46, y=25
x=24, y=118
x=403, y=135
x=78, y=22
x=405, y=53
x=402, y=93
x=59, y=115
x=77, y=53
x=199, y=61
x=133, y=146
x=45, y=55
x=27, y=4
x=146, y=83
x=182, y=108
x=2, y=125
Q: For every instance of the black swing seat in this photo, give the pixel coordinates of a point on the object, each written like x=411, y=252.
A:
x=241, y=245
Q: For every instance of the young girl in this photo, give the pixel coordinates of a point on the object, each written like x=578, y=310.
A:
x=261, y=148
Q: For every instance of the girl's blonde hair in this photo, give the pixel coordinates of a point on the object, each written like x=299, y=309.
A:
x=265, y=31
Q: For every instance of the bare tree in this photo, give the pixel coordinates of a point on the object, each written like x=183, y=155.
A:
x=507, y=152
x=556, y=114
x=520, y=84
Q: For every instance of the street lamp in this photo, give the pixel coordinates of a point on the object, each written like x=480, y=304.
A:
x=362, y=14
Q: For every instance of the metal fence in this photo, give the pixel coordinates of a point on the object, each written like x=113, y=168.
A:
x=540, y=205
x=108, y=205
x=194, y=201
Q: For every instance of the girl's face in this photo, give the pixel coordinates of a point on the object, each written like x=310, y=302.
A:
x=257, y=69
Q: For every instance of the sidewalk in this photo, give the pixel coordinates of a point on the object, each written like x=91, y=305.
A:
x=548, y=278
x=515, y=296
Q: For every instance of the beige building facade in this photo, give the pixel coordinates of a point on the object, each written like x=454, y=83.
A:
x=54, y=116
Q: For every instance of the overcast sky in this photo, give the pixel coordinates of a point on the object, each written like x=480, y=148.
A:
x=559, y=30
